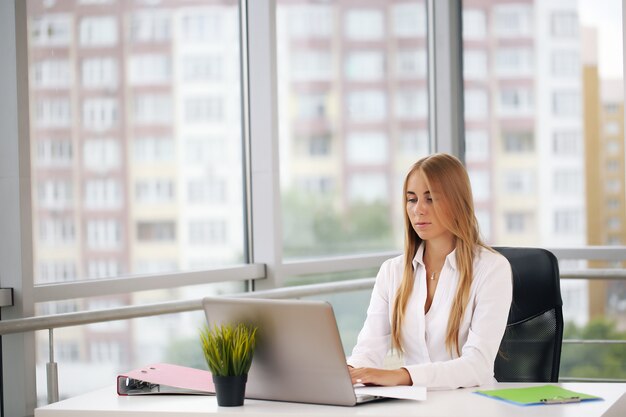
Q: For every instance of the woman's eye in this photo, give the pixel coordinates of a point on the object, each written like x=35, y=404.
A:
x=411, y=200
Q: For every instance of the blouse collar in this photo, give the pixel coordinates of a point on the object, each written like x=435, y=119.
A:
x=419, y=258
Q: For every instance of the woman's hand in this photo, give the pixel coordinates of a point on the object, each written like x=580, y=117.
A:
x=384, y=377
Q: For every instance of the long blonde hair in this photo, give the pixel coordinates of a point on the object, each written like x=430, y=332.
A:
x=448, y=181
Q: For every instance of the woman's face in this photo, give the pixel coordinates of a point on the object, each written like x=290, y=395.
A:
x=419, y=208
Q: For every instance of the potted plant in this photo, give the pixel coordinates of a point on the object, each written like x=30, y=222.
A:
x=228, y=352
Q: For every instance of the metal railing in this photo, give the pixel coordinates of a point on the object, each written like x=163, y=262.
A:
x=52, y=322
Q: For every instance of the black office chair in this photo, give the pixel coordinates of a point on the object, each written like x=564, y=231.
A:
x=531, y=347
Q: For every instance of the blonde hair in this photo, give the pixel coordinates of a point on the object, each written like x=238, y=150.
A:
x=449, y=183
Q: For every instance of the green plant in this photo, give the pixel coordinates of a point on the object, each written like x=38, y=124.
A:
x=228, y=350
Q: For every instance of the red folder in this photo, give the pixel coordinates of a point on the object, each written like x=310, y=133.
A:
x=165, y=378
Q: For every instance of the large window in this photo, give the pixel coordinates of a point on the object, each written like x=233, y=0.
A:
x=353, y=116
x=137, y=158
x=554, y=153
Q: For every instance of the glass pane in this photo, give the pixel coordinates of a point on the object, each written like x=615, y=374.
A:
x=135, y=137
x=353, y=116
x=544, y=120
x=136, y=166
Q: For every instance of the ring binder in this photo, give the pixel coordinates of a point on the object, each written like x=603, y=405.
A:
x=165, y=378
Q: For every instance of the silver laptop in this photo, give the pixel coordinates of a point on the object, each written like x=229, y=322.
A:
x=299, y=356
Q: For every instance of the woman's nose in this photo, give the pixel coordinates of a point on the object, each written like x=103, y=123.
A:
x=418, y=208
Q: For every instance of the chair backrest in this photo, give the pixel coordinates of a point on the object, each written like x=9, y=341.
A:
x=531, y=347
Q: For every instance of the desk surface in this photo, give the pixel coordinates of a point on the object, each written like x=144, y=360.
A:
x=452, y=403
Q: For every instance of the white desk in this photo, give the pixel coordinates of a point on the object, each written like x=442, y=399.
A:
x=455, y=403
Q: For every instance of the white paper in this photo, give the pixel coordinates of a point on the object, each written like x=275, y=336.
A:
x=403, y=392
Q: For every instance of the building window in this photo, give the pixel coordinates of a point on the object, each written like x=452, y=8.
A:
x=564, y=24
x=613, y=147
x=57, y=231
x=104, y=234
x=100, y=114
x=566, y=143
x=103, y=194
x=568, y=182
x=413, y=143
x=203, y=26
x=567, y=222
x=309, y=21
x=55, y=271
x=103, y=268
x=319, y=145
x=150, y=26
x=367, y=148
x=149, y=69
x=612, y=128
x=476, y=104
x=566, y=104
x=52, y=73
x=365, y=66
x=613, y=166
x=205, y=68
x=53, y=113
x=565, y=63
x=480, y=184
x=312, y=106
x=55, y=194
x=51, y=30
x=613, y=204
x=311, y=65
x=202, y=150
x=152, y=109
x=613, y=186
x=368, y=188
x=206, y=109
x=515, y=101
x=514, y=62
x=99, y=73
x=517, y=222
x=474, y=64
x=614, y=224
x=105, y=352
x=367, y=106
x=411, y=104
x=512, y=20
x=153, y=149
x=518, y=182
x=364, y=24
x=154, y=190
x=53, y=152
x=518, y=142
x=98, y=31
x=317, y=185
x=206, y=191
x=101, y=155
x=156, y=231
x=474, y=24
x=476, y=145
x=411, y=63
x=409, y=20
x=207, y=232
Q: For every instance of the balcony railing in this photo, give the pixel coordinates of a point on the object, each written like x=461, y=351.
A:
x=52, y=322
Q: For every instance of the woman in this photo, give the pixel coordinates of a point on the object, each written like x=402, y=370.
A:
x=443, y=305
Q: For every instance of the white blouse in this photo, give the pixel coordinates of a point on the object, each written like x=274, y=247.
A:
x=423, y=335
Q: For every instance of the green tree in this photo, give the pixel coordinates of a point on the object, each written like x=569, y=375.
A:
x=313, y=225
x=593, y=360
x=186, y=352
